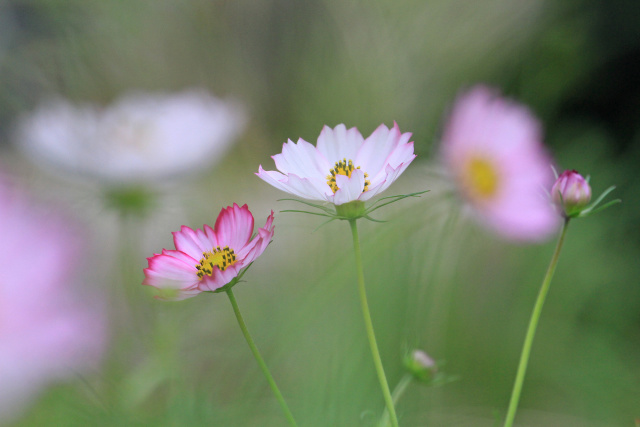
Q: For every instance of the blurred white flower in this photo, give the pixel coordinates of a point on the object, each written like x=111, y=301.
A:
x=47, y=331
x=137, y=139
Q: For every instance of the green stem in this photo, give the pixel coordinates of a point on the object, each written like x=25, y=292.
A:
x=384, y=386
x=531, y=331
x=259, y=359
x=396, y=395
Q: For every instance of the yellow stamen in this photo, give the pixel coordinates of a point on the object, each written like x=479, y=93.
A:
x=344, y=167
x=480, y=178
x=222, y=258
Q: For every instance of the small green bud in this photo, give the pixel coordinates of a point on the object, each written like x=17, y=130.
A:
x=420, y=365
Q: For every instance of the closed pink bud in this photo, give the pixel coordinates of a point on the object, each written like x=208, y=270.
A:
x=571, y=193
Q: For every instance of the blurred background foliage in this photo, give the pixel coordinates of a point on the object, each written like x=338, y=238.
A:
x=436, y=280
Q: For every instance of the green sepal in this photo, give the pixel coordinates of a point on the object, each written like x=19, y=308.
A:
x=593, y=207
x=352, y=210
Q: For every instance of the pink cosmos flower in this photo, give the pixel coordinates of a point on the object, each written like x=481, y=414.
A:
x=493, y=149
x=47, y=333
x=344, y=166
x=208, y=259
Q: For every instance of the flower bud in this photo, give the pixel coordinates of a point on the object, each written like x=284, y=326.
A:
x=420, y=365
x=571, y=193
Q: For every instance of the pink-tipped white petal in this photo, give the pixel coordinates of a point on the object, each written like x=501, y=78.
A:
x=168, y=271
x=234, y=226
x=259, y=243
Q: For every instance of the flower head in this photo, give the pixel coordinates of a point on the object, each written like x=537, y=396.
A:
x=138, y=138
x=207, y=259
x=571, y=193
x=47, y=332
x=343, y=167
x=492, y=148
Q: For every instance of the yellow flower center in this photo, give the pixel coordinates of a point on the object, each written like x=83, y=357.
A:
x=480, y=178
x=344, y=167
x=223, y=258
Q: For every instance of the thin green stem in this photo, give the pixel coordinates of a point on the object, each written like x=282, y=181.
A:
x=259, y=359
x=384, y=386
x=396, y=395
x=531, y=331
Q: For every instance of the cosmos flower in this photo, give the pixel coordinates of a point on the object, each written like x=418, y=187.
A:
x=137, y=139
x=571, y=193
x=492, y=148
x=47, y=332
x=208, y=259
x=343, y=167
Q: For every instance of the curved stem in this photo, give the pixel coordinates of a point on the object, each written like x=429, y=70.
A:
x=259, y=359
x=531, y=331
x=384, y=386
x=396, y=395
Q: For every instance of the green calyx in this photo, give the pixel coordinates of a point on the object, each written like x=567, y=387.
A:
x=350, y=211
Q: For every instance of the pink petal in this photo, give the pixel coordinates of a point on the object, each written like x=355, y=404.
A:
x=234, y=226
x=192, y=242
x=169, y=271
x=259, y=243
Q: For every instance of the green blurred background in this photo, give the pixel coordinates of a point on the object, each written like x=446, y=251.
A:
x=436, y=280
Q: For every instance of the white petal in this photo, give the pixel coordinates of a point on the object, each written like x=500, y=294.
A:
x=376, y=148
x=306, y=188
x=339, y=143
x=350, y=189
x=302, y=159
x=391, y=175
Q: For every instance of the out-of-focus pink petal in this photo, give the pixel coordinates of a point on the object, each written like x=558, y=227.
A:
x=506, y=137
x=47, y=332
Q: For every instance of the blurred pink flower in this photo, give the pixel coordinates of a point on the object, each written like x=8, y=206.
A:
x=493, y=149
x=139, y=138
x=344, y=166
x=47, y=332
x=208, y=259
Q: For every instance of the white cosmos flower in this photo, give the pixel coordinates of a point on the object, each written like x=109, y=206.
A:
x=344, y=166
x=139, y=138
